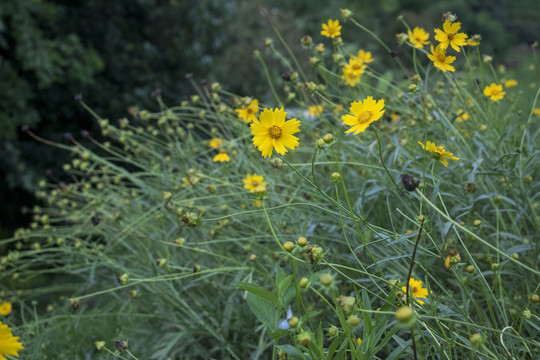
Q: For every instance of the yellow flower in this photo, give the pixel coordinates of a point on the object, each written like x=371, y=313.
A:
x=273, y=132
x=249, y=113
x=221, y=157
x=251, y=182
x=510, y=83
x=8, y=343
x=355, y=66
x=394, y=116
x=473, y=42
x=461, y=116
x=416, y=290
x=359, y=340
x=315, y=110
x=440, y=60
x=364, y=56
x=438, y=152
x=418, y=37
x=320, y=48
x=214, y=143
x=536, y=111
x=5, y=308
x=332, y=29
x=450, y=36
x=494, y=92
x=364, y=113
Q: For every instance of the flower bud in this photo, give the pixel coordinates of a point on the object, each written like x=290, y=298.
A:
x=401, y=38
x=288, y=246
x=276, y=163
x=404, y=314
x=99, y=345
x=328, y=138
x=306, y=40
x=326, y=279
x=314, y=61
x=335, y=177
x=301, y=241
x=412, y=88
x=346, y=303
x=253, y=257
x=354, y=320
x=304, y=338
x=293, y=322
x=345, y=13
x=486, y=58
x=535, y=298
x=268, y=42
x=469, y=269
x=304, y=282
x=476, y=340
x=495, y=266
x=332, y=331
x=477, y=222
x=422, y=218
x=471, y=187
x=527, y=314
x=415, y=79
x=123, y=279
x=321, y=144
x=121, y=345
x=259, y=192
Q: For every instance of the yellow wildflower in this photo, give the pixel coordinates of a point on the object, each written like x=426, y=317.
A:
x=418, y=37
x=249, y=113
x=251, y=182
x=416, y=290
x=536, y=111
x=438, y=152
x=359, y=340
x=461, y=115
x=364, y=57
x=450, y=36
x=473, y=42
x=273, y=132
x=364, y=113
x=222, y=157
x=315, y=110
x=332, y=29
x=494, y=92
x=214, y=143
x=510, y=83
x=8, y=343
x=5, y=308
x=440, y=60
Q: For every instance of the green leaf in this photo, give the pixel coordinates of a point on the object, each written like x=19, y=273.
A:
x=265, y=311
x=259, y=291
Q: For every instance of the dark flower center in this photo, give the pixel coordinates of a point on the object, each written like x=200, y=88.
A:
x=274, y=131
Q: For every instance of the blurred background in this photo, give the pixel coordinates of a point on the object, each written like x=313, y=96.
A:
x=117, y=53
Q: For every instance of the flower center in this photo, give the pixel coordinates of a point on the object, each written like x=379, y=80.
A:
x=249, y=110
x=356, y=66
x=441, y=57
x=450, y=36
x=494, y=92
x=364, y=117
x=274, y=131
x=414, y=289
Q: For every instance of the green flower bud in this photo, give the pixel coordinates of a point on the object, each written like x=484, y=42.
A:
x=288, y=246
x=326, y=279
x=404, y=314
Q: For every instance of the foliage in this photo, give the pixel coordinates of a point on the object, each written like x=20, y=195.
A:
x=156, y=250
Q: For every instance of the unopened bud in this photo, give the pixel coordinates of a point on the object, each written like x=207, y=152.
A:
x=306, y=40
x=293, y=322
x=288, y=246
x=326, y=279
x=328, y=138
x=354, y=320
x=404, y=314
x=335, y=177
x=304, y=282
x=345, y=13
x=476, y=340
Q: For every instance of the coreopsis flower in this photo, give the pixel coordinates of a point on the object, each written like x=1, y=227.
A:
x=273, y=132
x=5, y=308
x=222, y=157
x=440, y=60
x=418, y=37
x=249, y=113
x=494, y=92
x=355, y=66
x=438, y=152
x=332, y=29
x=251, y=182
x=416, y=290
x=315, y=110
x=461, y=116
x=510, y=83
x=8, y=343
x=450, y=36
x=363, y=114
x=214, y=143
x=364, y=57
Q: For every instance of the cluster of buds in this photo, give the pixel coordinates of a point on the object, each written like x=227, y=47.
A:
x=314, y=253
x=453, y=258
